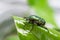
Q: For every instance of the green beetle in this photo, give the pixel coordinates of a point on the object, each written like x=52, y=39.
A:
x=36, y=20
x=33, y=19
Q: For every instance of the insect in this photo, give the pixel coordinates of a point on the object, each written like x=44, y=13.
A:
x=33, y=19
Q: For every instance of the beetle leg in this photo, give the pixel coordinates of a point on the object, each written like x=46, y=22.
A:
x=46, y=29
x=32, y=27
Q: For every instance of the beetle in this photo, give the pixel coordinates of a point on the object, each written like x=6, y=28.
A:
x=33, y=19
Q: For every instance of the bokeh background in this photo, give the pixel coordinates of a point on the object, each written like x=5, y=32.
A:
x=21, y=8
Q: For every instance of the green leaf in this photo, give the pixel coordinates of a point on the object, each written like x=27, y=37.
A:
x=25, y=31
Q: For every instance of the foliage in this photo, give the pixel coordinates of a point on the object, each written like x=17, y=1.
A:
x=37, y=33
